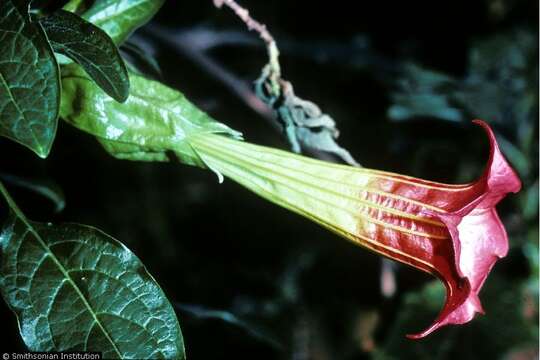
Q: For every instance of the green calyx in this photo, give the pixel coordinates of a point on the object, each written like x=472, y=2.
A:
x=154, y=123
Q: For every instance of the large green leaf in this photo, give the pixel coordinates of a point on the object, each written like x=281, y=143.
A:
x=154, y=121
x=74, y=287
x=119, y=18
x=91, y=48
x=29, y=80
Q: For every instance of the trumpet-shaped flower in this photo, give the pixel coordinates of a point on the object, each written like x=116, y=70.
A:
x=450, y=231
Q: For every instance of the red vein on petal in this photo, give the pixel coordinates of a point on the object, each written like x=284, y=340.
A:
x=215, y=140
x=372, y=244
x=389, y=209
x=372, y=173
x=219, y=154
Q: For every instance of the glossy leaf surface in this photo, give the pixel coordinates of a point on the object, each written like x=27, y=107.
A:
x=119, y=18
x=91, y=48
x=73, y=287
x=154, y=121
x=77, y=6
x=29, y=80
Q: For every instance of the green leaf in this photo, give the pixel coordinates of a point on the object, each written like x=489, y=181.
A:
x=74, y=287
x=29, y=80
x=91, y=48
x=77, y=6
x=154, y=121
x=119, y=18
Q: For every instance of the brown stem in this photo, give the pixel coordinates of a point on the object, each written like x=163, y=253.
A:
x=274, y=68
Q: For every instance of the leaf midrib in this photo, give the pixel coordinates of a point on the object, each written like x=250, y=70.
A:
x=21, y=217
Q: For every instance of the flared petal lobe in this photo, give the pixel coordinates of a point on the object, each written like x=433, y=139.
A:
x=450, y=231
x=478, y=236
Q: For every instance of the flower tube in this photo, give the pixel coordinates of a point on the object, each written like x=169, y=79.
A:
x=450, y=231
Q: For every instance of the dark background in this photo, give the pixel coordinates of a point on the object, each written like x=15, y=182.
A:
x=300, y=291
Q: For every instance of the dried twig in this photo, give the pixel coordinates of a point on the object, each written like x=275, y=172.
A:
x=274, y=68
x=304, y=124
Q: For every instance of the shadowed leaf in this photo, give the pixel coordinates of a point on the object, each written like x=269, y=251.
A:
x=91, y=48
x=74, y=287
x=29, y=80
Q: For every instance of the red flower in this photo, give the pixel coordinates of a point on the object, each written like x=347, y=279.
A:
x=450, y=231
x=478, y=238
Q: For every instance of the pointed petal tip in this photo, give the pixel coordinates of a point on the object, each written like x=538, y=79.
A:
x=452, y=315
x=463, y=314
x=481, y=311
x=498, y=167
x=424, y=333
